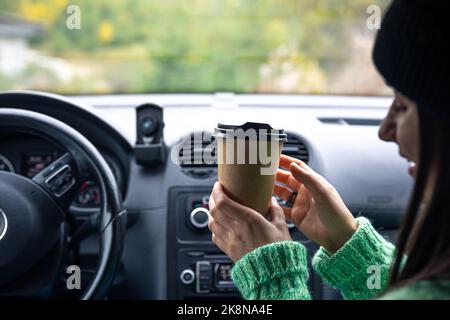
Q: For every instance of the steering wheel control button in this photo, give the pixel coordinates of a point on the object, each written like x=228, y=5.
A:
x=203, y=274
x=187, y=276
x=3, y=224
x=61, y=180
x=51, y=169
x=199, y=217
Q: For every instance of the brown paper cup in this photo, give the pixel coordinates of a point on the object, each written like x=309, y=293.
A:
x=248, y=161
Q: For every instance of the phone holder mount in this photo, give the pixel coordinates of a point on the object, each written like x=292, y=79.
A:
x=150, y=148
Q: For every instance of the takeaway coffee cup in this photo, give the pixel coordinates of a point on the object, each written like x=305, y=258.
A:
x=248, y=157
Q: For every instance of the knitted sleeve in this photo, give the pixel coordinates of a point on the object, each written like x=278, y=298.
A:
x=438, y=289
x=360, y=268
x=275, y=271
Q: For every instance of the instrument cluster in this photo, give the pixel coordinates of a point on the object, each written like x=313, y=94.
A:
x=30, y=156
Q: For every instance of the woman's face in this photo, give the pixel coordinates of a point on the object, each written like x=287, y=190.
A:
x=401, y=126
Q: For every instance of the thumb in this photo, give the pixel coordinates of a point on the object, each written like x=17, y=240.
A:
x=309, y=178
x=276, y=212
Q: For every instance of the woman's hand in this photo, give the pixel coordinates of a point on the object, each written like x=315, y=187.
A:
x=237, y=229
x=318, y=211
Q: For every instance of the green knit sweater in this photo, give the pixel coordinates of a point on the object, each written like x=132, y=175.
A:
x=360, y=270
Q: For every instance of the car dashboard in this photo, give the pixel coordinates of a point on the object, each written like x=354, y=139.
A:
x=168, y=251
x=28, y=155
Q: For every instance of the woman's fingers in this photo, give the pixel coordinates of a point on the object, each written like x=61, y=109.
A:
x=318, y=187
x=220, y=216
x=285, y=162
x=276, y=212
x=219, y=242
x=286, y=178
x=211, y=203
x=217, y=229
x=218, y=232
x=223, y=204
x=302, y=203
x=299, y=171
x=282, y=192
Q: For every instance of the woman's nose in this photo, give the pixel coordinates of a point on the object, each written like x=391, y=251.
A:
x=387, y=129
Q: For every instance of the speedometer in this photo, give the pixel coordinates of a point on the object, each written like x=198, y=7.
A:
x=5, y=164
x=89, y=195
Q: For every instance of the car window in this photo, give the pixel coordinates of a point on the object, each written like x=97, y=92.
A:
x=202, y=46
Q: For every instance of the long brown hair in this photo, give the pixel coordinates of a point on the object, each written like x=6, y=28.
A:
x=425, y=231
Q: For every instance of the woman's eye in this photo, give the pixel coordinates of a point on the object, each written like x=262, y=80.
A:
x=400, y=108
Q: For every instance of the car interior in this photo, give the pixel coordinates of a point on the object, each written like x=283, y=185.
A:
x=98, y=176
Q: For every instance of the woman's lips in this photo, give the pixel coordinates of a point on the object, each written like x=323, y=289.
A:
x=412, y=168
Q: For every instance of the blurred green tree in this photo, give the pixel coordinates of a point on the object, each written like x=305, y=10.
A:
x=199, y=45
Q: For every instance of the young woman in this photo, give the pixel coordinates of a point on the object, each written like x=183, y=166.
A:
x=411, y=53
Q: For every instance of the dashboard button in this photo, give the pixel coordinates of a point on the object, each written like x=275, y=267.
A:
x=195, y=254
x=187, y=276
x=203, y=271
x=199, y=217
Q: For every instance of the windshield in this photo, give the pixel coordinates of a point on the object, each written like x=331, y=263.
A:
x=190, y=46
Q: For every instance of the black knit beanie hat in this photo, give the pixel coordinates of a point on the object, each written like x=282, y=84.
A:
x=412, y=52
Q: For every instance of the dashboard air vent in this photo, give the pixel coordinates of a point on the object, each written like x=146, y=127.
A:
x=295, y=148
x=197, y=154
x=351, y=121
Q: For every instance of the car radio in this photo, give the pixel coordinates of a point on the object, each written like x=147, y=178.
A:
x=205, y=273
x=210, y=277
x=198, y=269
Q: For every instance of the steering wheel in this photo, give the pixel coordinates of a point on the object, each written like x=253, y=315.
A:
x=34, y=213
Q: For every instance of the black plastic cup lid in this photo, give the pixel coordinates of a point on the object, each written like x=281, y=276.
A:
x=250, y=130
